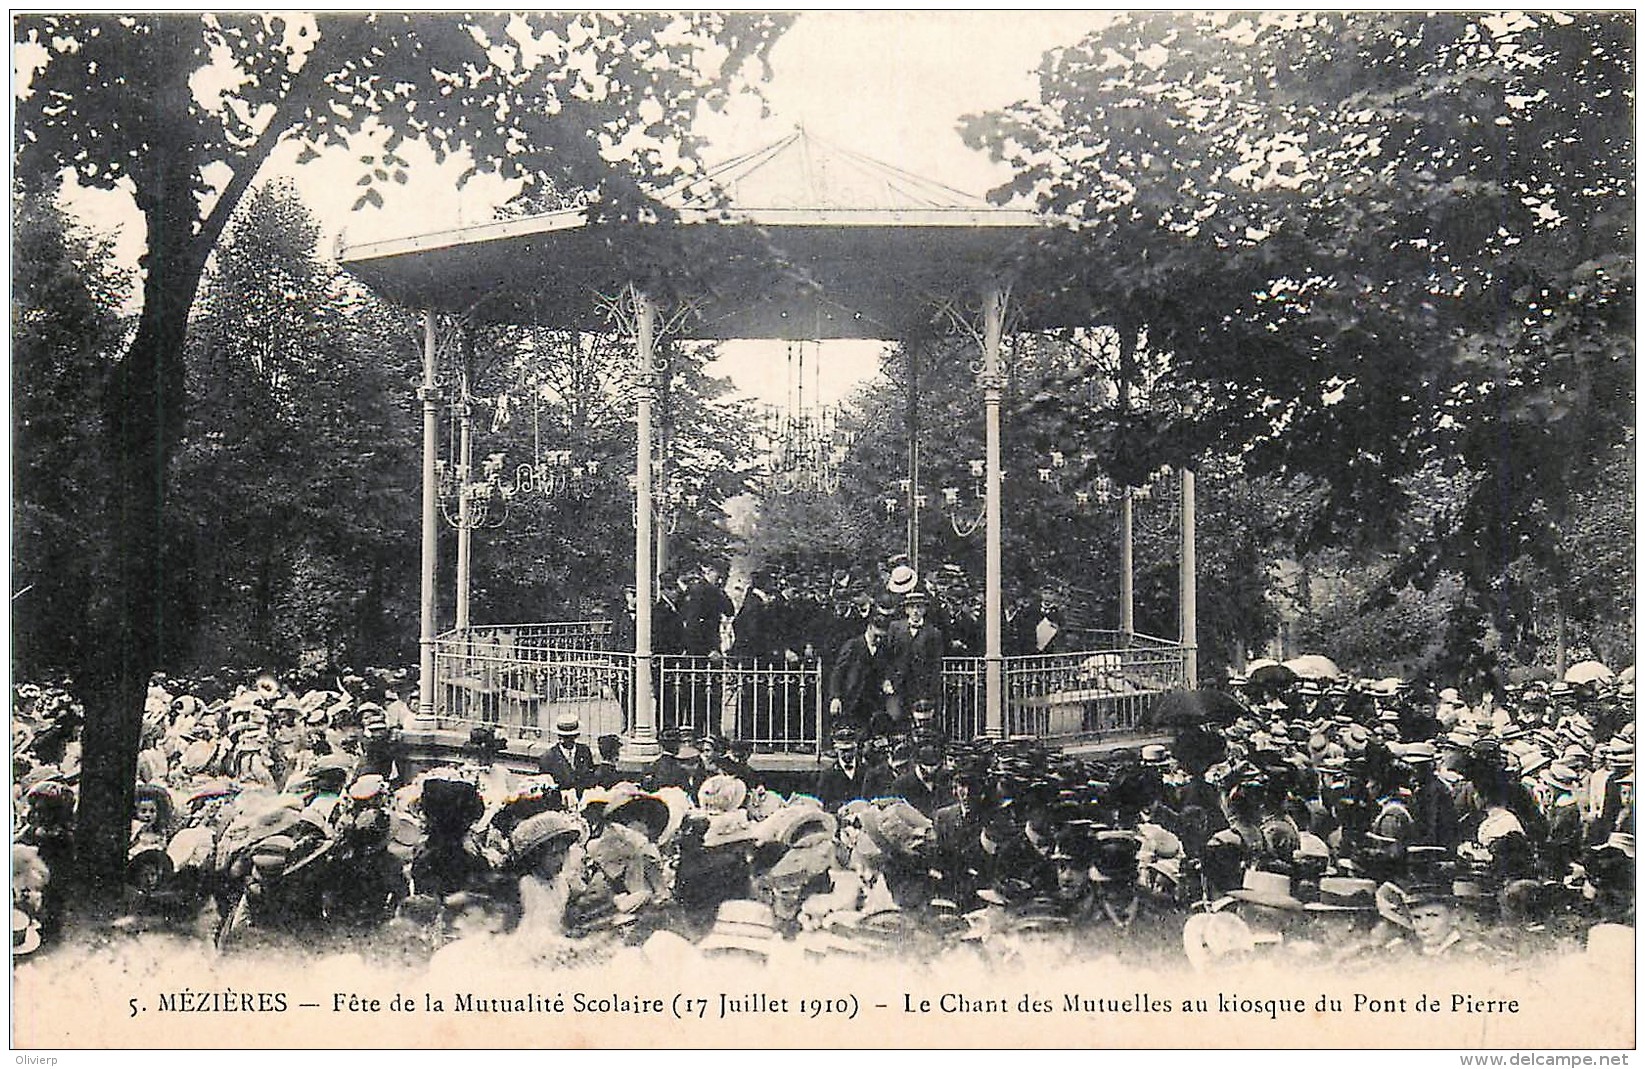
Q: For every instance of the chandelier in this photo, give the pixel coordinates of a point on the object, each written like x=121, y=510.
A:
x=805, y=443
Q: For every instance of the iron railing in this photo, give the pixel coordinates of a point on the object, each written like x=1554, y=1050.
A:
x=521, y=682
x=774, y=706
x=520, y=678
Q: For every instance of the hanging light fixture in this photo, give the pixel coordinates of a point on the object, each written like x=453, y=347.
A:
x=805, y=444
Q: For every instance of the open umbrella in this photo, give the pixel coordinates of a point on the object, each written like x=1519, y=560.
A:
x=1314, y=666
x=1589, y=672
x=1185, y=708
x=1270, y=678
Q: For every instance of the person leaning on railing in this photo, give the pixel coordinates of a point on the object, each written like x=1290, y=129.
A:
x=862, y=683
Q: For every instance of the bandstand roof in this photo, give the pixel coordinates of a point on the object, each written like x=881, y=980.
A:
x=811, y=241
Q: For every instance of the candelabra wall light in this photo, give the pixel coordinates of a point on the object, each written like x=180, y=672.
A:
x=492, y=490
x=671, y=499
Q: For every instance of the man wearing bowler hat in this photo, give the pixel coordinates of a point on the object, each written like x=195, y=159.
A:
x=570, y=762
x=862, y=686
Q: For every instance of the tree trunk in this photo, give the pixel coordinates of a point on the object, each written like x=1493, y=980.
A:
x=143, y=409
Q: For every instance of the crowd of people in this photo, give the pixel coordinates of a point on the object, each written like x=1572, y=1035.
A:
x=790, y=615
x=1333, y=821
x=879, y=640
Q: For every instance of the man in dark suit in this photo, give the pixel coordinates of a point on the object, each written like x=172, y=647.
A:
x=862, y=686
x=705, y=606
x=679, y=765
x=756, y=624
x=922, y=786
x=1039, y=628
x=846, y=778
x=957, y=831
x=667, y=632
x=919, y=647
x=570, y=762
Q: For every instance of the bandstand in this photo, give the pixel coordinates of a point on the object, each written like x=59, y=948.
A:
x=801, y=242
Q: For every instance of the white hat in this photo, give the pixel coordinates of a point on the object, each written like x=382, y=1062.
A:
x=568, y=724
x=903, y=579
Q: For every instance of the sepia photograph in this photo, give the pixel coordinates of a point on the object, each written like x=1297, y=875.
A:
x=1080, y=529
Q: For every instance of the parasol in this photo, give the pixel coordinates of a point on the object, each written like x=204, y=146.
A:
x=1589, y=672
x=1314, y=666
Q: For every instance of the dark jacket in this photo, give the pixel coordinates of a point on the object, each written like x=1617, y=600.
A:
x=701, y=611
x=667, y=633
x=575, y=774
x=919, y=662
x=927, y=799
x=754, y=627
x=836, y=787
x=857, y=677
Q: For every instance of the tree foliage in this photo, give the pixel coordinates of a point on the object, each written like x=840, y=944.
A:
x=183, y=110
x=1370, y=242
x=295, y=487
x=66, y=330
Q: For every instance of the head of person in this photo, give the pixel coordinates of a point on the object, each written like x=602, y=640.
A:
x=971, y=789
x=1071, y=859
x=914, y=607
x=879, y=620
x=567, y=726
x=1433, y=918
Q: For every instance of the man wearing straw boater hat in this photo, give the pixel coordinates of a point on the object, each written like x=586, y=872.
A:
x=569, y=761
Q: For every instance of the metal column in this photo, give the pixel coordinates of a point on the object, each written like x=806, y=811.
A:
x=1188, y=583
x=642, y=738
x=992, y=379
x=430, y=394
x=465, y=517
x=1128, y=619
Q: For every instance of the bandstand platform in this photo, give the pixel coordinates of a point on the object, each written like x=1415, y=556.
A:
x=795, y=242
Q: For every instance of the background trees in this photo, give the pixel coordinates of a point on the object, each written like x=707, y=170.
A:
x=295, y=488
x=183, y=111
x=1375, y=242
x=1379, y=262
x=66, y=329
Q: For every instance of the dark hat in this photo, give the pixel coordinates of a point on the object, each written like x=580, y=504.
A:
x=647, y=810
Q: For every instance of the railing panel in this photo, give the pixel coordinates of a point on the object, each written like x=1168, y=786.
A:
x=488, y=679
x=773, y=705
x=520, y=678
